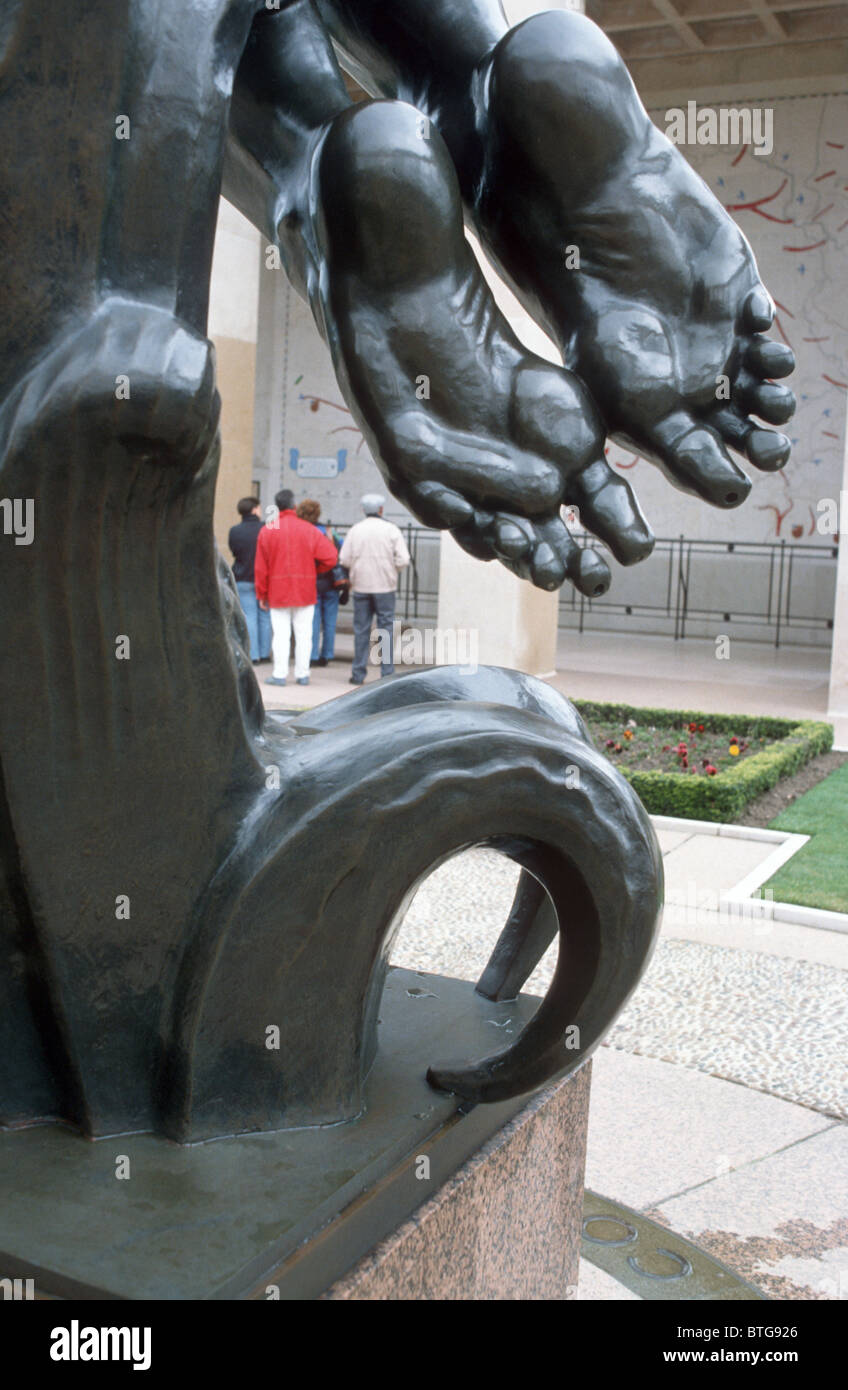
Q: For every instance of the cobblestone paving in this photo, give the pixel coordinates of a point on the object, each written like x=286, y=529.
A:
x=769, y=1023
x=775, y=1025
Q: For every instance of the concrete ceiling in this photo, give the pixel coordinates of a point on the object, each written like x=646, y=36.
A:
x=655, y=28
x=681, y=43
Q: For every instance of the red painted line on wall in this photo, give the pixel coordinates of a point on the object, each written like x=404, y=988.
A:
x=834, y=382
x=756, y=204
x=813, y=246
x=829, y=175
x=780, y=516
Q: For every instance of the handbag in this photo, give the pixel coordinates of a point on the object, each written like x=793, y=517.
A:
x=336, y=578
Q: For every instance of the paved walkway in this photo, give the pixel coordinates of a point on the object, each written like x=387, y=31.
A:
x=718, y=1100
x=756, y=679
x=790, y=681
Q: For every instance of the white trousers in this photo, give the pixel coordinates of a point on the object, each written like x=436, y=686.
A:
x=282, y=622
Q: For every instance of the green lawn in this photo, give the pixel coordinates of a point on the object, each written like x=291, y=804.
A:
x=817, y=876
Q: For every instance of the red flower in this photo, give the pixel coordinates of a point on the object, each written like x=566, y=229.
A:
x=666, y=747
x=710, y=770
x=610, y=743
x=734, y=739
x=617, y=748
x=693, y=728
x=700, y=728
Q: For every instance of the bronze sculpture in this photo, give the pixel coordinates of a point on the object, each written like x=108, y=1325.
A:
x=149, y=931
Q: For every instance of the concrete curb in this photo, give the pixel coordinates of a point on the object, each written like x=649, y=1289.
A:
x=798, y=916
x=711, y=827
x=785, y=846
x=763, y=872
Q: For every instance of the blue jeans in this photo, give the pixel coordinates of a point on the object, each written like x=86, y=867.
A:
x=326, y=613
x=258, y=621
x=366, y=607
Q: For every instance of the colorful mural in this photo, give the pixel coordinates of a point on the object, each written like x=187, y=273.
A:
x=792, y=204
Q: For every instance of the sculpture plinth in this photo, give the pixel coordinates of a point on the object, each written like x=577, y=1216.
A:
x=284, y=1215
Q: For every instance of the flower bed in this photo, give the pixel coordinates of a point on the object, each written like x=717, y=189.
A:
x=701, y=766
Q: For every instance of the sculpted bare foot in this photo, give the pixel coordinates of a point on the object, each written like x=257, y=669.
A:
x=623, y=252
x=473, y=432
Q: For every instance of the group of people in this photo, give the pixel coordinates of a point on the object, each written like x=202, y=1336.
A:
x=292, y=573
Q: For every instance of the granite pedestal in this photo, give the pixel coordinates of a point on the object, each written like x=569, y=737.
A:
x=505, y=1226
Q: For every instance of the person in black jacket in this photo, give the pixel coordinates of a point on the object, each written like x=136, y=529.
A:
x=242, y=542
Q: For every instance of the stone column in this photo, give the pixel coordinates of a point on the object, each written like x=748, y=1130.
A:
x=233, y=309
x=511, y=623
x=837, y=705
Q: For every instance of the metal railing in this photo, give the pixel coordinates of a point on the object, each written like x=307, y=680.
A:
x=776, y=590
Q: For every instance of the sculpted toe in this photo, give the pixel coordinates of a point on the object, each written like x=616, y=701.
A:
x=700, y=464
x=776, y=404
x=768, y=451
x=759, y=310
x=768, y=359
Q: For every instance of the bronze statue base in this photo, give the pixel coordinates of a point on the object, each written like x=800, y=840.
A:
x=286, y=1214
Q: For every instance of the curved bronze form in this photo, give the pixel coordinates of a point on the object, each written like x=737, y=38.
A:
x=398, y=780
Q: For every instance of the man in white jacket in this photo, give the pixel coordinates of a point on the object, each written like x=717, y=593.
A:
x=374, y=553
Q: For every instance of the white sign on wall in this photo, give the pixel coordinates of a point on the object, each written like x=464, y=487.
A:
x=317, y=467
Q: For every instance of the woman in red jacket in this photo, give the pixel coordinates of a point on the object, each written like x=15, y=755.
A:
x=289, y=555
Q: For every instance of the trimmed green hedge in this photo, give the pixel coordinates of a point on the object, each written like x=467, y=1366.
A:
x=723, y=797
